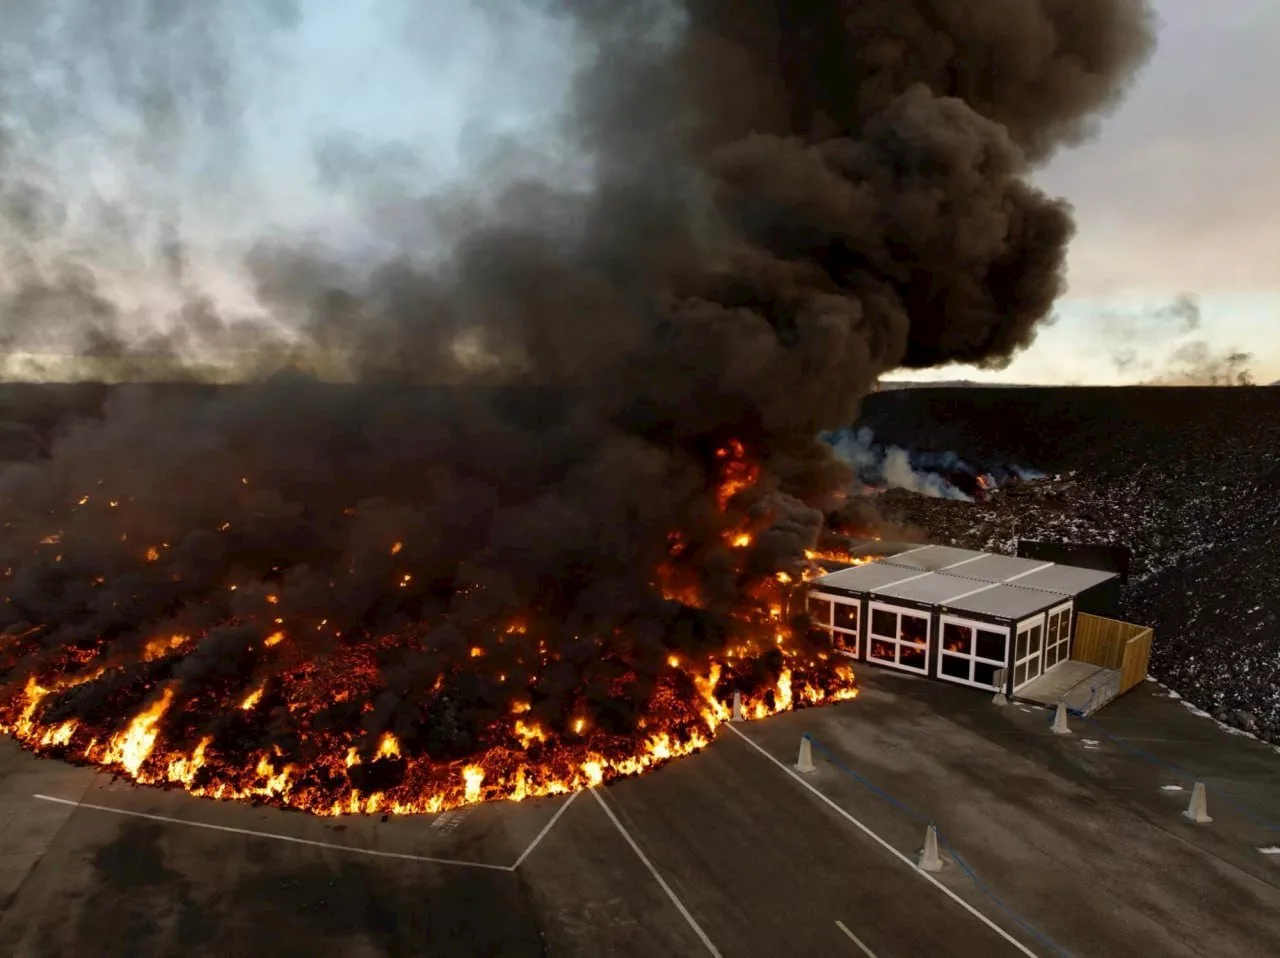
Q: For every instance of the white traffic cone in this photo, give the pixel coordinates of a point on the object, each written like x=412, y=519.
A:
x=1060, y=726
x=804, y=761
x=1198, y=809
x=930, y=860
x=737, y=708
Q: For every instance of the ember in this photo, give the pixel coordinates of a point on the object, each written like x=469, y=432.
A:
x=176, y=731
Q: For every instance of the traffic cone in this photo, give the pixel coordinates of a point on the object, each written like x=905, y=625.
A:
x=737, y=708
x=1000, y=699
x=930, y=860
x=804, y=761
x=1060, y=726
x=1198, y=809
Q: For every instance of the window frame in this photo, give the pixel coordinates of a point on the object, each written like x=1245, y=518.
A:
x=898, y=611
x=851, y=638
x=1036, y=656
x=972, y=658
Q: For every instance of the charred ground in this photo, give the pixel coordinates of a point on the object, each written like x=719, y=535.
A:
x=1187, y=478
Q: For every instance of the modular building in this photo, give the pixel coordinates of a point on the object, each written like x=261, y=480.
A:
x=989, y=621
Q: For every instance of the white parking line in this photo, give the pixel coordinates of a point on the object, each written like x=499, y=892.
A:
x=856, y=940
x=887, y=847
x=546, y=829
x=697, y=929
x=374, y=853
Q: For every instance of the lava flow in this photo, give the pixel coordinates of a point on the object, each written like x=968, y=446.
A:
x=291, y=728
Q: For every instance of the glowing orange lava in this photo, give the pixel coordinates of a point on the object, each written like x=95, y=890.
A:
x=299, y=725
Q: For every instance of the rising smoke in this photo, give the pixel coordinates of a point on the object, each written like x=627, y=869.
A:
x=770, y=204
x=1160, y=342
x=939, y=475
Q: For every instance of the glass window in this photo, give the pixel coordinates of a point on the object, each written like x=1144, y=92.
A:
x=985, y=673
x=819, y=610
x=1020, y=674
x=845, y=642
x=915, y=628
x=991, y=646
x=911, y=656
x=882, y=650
x=957, y=638
x=1064, y=626
x=954, y=666
x=846, y=617
x=884, y=623
x=1022, y=645
x=1053, y=629
x=1037, y=636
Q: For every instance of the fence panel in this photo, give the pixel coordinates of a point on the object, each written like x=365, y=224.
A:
x=1137, y=657
x=1100, y=641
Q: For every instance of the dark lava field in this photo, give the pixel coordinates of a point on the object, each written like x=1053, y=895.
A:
x=1186, y=478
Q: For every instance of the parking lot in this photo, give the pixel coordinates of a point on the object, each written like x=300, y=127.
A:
x=1068, y=845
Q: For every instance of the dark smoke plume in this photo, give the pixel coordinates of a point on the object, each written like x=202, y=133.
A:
x=779, y=202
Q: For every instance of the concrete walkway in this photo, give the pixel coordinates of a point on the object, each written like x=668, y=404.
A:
x=1084, y=687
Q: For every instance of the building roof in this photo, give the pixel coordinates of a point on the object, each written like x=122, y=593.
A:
x=961, y=580
x=1006, y=602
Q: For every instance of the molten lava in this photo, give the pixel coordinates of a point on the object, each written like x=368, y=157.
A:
x=295, y=724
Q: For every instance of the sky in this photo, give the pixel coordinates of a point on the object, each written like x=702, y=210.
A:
x=264, y=119
x=1179, y=195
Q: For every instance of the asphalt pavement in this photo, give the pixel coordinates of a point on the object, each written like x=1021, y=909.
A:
x=1068, y=845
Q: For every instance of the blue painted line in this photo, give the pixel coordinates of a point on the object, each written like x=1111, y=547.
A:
x=942, y=841
x=1249, y=813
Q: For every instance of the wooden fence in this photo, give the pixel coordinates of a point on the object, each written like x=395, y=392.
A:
x=1112, y=644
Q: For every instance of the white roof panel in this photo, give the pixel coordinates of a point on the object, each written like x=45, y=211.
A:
x=1066, y=579
x=864, y=578
x=934, y=558
x=997, y=568
x=1007, y=602
x=933, y=588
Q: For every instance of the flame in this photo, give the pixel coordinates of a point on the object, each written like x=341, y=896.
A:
x=528, y=733
x=737, y=473
x=473, y=778
x=60, y=736
x=131, y=747
x=396, y=547
x=388, y=746
x=153, y=554
x=250, y=701
x=275, y=638
x=183, y=769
